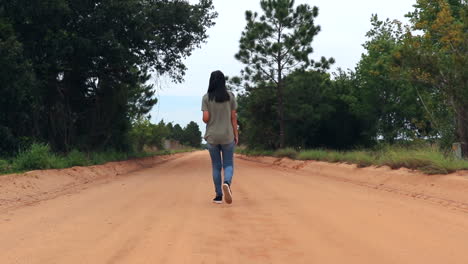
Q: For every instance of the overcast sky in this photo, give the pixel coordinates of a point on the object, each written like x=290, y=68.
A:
x=344, y=25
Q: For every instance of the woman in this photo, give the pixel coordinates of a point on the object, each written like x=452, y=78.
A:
x=219, y=113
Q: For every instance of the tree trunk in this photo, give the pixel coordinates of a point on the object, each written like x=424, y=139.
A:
x=281, y=111
x=462, y=128
x=280, y=91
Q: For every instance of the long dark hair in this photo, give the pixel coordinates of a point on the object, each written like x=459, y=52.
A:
x=217, y=87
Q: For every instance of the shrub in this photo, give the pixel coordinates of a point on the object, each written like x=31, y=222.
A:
x=38, y=156
x=5, y=166
x=77, y=158
x=360, y=158
x=107, y=156
x=286, y=152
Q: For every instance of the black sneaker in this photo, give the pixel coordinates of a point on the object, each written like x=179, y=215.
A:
x=218, y=199
x=227, y=193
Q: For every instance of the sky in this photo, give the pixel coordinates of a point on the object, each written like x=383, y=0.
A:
x=344, y=24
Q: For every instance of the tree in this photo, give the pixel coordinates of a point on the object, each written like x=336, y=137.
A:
x=318, y=113
x=144, y=133
x=276, y=44
x=192, y=135
x=438, y=59
x=307, y=107
x=91, y=61
x=16, y=83
x=141, y=133
x=258, y=122
x=170, y=128
x=345, y=128
x=387, y=101
x=178, y=133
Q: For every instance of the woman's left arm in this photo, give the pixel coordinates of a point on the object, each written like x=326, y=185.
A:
x=234, y=126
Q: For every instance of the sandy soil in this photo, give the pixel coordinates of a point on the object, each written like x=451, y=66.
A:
x=34, y=186
x=159, y=211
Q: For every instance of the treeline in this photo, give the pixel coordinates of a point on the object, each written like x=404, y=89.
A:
x=144, y=133
x=145, y=139
x=410, y=85
x=74, y=74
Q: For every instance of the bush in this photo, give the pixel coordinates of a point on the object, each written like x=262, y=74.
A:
x=5, y=166
x=77, y=158
x=38, y=156
x=107, y=156
x=286, y=153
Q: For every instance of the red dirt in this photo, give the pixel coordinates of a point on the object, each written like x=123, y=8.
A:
x=159, y=211
x=38, y=185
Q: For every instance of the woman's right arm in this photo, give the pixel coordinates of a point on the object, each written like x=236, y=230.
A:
x=206, y=117
x=204, y=108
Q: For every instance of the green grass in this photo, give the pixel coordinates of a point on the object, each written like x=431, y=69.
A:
x=254, y=152
x=40, y=156
x=77, y=158
x=286, y=153
x=426, y=159
x=5, y=166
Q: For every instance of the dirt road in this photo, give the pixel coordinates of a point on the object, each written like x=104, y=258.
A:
x=164, y=214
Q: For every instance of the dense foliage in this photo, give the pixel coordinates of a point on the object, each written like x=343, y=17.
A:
x=407, y=87
x=437, y=60
x=275, y=44
x=318, y=112
x=76, y=76
x=144, y=133
x=75, y=73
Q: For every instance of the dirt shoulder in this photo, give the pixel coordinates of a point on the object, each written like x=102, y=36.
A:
x=450, y=190
x=283, y=212
x=28, y=188
x=33, y=186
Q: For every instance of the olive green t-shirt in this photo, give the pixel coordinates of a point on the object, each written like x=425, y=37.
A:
x=219, y=129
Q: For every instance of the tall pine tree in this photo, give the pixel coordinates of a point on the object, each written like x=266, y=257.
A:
x=276, y=44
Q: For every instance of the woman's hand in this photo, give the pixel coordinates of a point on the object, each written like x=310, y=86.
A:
x=236, y=140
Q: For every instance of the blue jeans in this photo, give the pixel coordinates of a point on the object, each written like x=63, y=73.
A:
x=226, y=163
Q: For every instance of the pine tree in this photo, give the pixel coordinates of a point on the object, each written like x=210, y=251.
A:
x=275, y=44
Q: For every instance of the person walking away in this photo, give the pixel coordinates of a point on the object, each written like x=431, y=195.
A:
x=219, y=113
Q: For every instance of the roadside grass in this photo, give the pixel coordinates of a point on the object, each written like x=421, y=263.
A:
x=254, y=152
x=286, y=153
x=40, y=157
x=429, y=160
